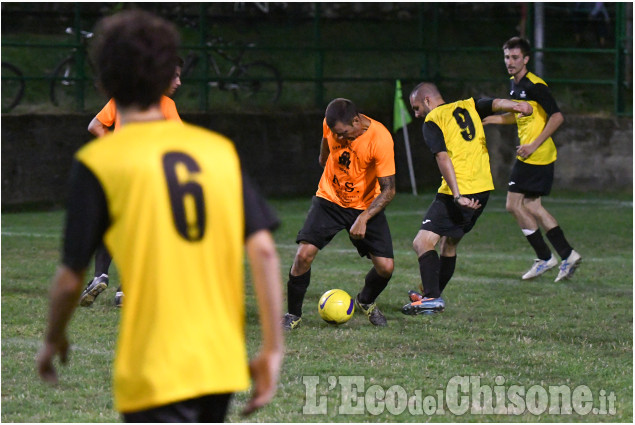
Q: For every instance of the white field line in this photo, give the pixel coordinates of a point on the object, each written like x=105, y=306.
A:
x=30, y=235
x=495, y=256
x=498, y=256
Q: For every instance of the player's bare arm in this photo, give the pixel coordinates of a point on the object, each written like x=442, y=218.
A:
x=510, y=108
x=96, y=128
x=265, y=366
x=64, y=294
x=447, y=171
x=506, y=118
x=553, y=123
x=506, y=105
x=388, y=190
x=324, y=152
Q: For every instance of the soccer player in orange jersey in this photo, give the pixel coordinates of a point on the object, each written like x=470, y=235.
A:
x=99, y=126
x=357, y=184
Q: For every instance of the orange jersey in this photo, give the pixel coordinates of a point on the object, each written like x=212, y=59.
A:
x=351, y=171
x=108, y=115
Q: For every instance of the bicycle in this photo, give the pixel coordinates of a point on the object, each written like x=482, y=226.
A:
x=65, y=77
x=12, y=86
x=254, y=83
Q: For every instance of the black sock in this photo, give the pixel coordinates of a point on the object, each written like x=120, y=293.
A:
x=374, y=284
x=296, y=289
x=102, y=260
x=446, y=270
x=539, y=245
x=559, y=242
x=429, y=265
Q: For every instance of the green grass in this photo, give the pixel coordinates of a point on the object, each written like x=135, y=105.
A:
x=574, y=333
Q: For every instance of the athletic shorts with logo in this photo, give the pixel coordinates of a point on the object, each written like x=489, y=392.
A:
x=445, y=218
x=325, y=219
x=530, y=179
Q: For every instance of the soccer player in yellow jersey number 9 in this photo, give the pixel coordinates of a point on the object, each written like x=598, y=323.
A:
x=454, y=133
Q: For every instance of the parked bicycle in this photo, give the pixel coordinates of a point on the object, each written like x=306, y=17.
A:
x=254, y=83
x=12, y=86
x=66, y=76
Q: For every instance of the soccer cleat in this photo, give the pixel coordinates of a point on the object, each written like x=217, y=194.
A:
x=424, y=306
x=414, y=296
x=93, y=289
x=290, y=321
x=119, y=298
x=568, y=266
x=540, y=266
x=375, y=316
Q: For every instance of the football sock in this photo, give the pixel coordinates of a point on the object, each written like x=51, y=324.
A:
x=446, y=270
x=296, y=289
x=373, y=286
x=429, y=265
x=559, y=242
x=102, y=260
x=539, y=245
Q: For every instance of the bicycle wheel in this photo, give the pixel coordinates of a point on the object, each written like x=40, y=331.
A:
x=263, y=86
x=12, y=86
x=65, y=85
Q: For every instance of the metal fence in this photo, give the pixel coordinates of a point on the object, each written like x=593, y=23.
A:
x=291, y=56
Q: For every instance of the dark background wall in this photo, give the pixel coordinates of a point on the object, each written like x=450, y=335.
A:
x=280, y=151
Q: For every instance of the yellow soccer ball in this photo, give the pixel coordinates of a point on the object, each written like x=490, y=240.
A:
x=336, y=307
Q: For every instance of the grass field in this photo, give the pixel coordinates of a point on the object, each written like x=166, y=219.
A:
x=577, y=335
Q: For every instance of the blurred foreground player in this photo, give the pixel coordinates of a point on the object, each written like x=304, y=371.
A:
x=173, y=209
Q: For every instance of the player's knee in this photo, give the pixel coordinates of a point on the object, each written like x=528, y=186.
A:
x=385, y=267
x=303, y=260
x=512, y=207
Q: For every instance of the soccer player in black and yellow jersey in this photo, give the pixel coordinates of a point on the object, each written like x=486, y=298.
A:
x=454, y=133
x=532, y=174
x=172, y=205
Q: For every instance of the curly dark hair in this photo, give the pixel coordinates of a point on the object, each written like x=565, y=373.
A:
x=135, y=52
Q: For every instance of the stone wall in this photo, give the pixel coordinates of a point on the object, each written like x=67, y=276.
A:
x=280, y=151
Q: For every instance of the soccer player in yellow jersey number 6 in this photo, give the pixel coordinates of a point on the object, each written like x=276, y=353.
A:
x=454, y=133
x=533, y=171
x=176, y=212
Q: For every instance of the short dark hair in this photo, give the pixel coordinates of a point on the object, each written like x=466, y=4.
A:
x=518, y=43
x=135, y=52
x=340, y=110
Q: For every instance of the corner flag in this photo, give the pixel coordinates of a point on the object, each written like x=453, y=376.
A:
x=401, y=117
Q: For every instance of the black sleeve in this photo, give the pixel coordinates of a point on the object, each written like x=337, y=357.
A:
x=484, y=107
x=541, y=94
x=86, y=217
x=434, y=137
x=258, y=214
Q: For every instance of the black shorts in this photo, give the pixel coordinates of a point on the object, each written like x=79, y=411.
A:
x=326, y=219
x=445, y=218
x=531, y=180
x=207, y=409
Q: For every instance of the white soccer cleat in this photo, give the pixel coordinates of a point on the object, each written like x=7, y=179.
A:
x=568, y=266
x=540, y=266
